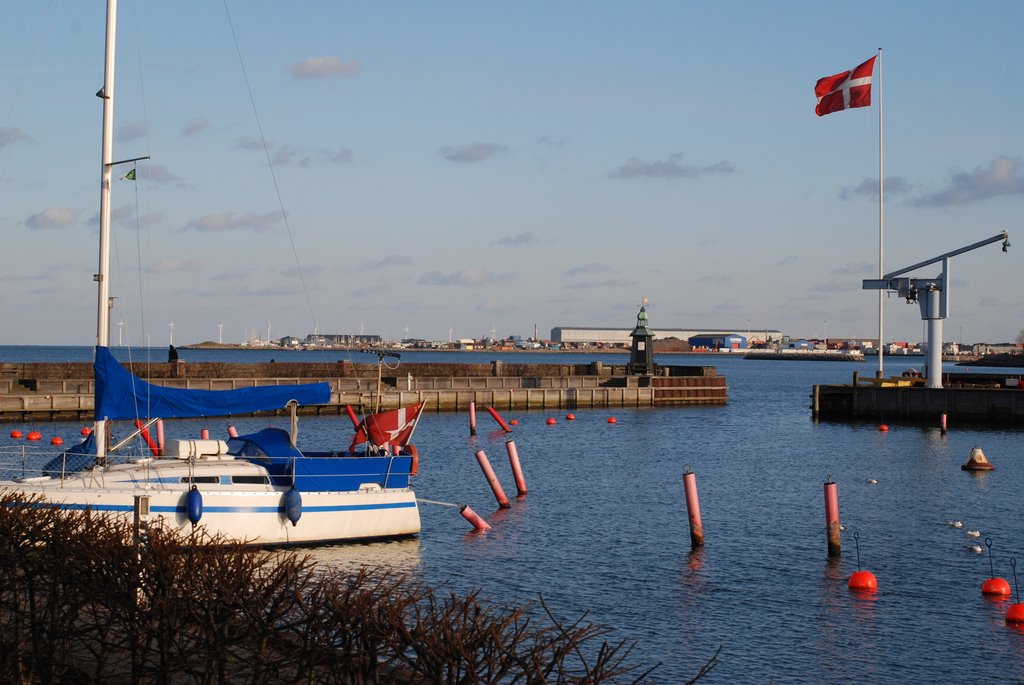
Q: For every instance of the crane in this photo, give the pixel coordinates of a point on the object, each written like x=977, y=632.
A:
x=932, y=294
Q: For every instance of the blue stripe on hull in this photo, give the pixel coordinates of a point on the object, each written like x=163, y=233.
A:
x=239, y=510
x=164, y=509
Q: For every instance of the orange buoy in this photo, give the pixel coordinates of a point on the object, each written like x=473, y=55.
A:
x=977, y=461
x=611, y=419
x=883, y=428
x=16, y=434
x=1015, y=614
x=863, y=581
x=995, y=586
x=56, y=440
x=514, y=422
x=86, y=431
x=570, y=417
x=34, y=435
x=551, y=421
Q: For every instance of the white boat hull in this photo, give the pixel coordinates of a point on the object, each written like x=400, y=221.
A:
x=252, y=514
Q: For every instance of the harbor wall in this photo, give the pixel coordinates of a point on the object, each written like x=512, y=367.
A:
x=65, y=391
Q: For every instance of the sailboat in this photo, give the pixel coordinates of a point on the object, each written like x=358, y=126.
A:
x=255, y=489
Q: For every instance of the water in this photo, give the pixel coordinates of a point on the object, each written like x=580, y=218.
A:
x=604, y=530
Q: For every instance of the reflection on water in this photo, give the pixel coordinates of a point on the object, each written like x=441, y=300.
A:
x=397, y=556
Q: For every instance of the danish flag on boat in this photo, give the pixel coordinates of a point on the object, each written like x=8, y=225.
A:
x=388, y=428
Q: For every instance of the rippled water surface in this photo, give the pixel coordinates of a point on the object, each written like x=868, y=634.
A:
x=604, y=530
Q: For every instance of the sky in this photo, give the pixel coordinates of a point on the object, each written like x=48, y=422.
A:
x=457, y=169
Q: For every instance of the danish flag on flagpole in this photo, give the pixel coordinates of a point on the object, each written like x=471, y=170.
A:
x=846, y=90
x=389, y=427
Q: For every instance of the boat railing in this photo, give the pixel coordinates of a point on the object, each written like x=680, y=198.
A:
x=24, y=462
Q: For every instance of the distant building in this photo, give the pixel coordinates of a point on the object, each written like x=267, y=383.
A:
x=341, y=340
x=620, y=337
x=718, y=341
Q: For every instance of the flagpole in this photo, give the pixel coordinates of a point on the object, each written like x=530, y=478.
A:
x=881, y=225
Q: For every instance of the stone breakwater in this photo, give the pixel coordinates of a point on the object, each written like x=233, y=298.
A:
x=57, y=391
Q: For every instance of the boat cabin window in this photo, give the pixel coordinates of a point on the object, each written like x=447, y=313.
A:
x=200, y=479
x=250, y=480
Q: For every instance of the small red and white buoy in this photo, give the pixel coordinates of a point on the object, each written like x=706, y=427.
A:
x=570, y=417
x=977, y=461
x=551, y=421
x=611, y=419
x=34, y=435
x=86, y=431
x=16, y=434
x=56, y=440
x=884, y=428
x=514, y=422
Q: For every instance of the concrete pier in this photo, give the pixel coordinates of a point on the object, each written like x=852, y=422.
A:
x=964, y=398
x=64, y=391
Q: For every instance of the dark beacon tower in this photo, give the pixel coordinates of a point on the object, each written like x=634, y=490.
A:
x=641, y=356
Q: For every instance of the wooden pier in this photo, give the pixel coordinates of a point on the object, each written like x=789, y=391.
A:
x=964, y=398
x=65, y=391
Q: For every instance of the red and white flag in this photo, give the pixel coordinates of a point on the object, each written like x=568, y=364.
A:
x=388, y=428
x=846, y=90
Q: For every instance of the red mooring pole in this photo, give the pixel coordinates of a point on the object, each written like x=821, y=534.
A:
x=160, y=435
x=485, y=466
x=517, y=469
x=474, y=518
x=501, y=421
x=472, y=418
x=832, y=529
x=693, y=508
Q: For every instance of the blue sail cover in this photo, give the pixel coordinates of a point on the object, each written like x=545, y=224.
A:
x=121, y=395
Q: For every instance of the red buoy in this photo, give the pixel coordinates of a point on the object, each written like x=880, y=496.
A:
x=514, y=422
x=551, y=421
x=611, y=419
x=1015, y=614
x=995, y=586
x=34, y=435
x=56, y=440
x=86, y=431
x=883, y=428
x=570, y=417
x=863, y=581
x=16, y=434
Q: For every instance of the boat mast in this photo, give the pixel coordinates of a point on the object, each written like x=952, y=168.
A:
x=106, y=173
